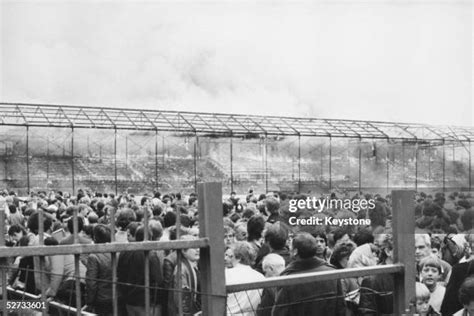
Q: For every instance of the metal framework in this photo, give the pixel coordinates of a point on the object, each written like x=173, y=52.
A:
x=47, y=115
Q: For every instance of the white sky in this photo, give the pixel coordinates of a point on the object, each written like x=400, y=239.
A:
x=406, y=61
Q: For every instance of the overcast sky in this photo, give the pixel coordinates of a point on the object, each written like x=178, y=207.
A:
x=406, y=61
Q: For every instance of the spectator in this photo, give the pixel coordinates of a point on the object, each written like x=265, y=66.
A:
x=245, y=302
x=422, y=305
x=99, y=275
x=430, y=274
x=190, y=284
x=304, y=299
x=132, y=279
x=273, y=264
x=423, y=250
x=466, y=297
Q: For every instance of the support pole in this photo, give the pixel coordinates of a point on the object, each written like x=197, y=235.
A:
x=115, y=161
x=28, y=158
x=231, y=165
x=195, y=162
x=404, y=243
x=330, y=163
x=47, y=158
x=403, y=163
x=299, y=163
x=470, y=167
x=210, y=226
x=444, y=167
x=126, y=151
x=360, y=164
x=388, y=165
x=72, y=161
x=265, y=162
x=416, y=166
x=429, y=162
x=156, y=158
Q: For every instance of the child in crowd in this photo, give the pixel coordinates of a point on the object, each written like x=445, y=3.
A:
x=423, y=307
x=430, y=275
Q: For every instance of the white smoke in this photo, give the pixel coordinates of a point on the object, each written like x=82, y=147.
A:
x=395, y=61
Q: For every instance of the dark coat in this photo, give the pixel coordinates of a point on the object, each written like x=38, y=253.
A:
x=131, y=278
x=316, y=298
x=459, y=273
x=376, y=295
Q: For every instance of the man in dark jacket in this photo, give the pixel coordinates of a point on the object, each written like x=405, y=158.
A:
x=315, y=298
x=131, y=278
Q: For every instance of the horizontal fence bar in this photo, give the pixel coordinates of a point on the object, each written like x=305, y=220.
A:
x=315, y=277
x=97, y=248
x=25, y=296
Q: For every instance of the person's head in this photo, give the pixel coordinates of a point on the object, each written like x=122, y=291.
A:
x=191, y=254
x=131, y=231
x=80, y=224
x=304, y=246
x=422, y=246
x=240, y=230
x=431, y=271
x=341, y=236
x=340, y=255
x=386, y=247
x=466, y=294
x=229, y=235
x=125, y=217
x=101, y=234
x=276, y=236
x=272, y=205
x=255, y=227
x=229, y=258
x=422, y=298
x=169, y=219
x=363, y=256
x=436, y=247
x=321, y=242
x=273, y=265
x=364, y=236
x=33, y=223
x=50, y=241
x=243, y=253
x=16, y=232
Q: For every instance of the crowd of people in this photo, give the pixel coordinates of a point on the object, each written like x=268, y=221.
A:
x=259, y=243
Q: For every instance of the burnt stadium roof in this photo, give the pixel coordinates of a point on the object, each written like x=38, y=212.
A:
x=238, y=125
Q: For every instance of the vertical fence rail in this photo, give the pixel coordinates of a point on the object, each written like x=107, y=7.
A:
x=156, y=158
x=147, y=263
x=72, y=161
x=470, y=166
x=28, y=158
x=299, y=163
x=115, y=161
x=444, y=166
x=403, y=206
x=3, y=262
x=42, y=272
x=360, y=164
x=212, y=264
x=114, y=263
x=330, y=163
x=77, y=276
x=416, y=166
x=231, y=164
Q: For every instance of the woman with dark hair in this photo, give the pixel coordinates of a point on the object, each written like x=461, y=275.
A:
x=255, y=227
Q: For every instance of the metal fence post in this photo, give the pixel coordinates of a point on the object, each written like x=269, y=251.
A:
x=212, y=261
x=403, y=205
